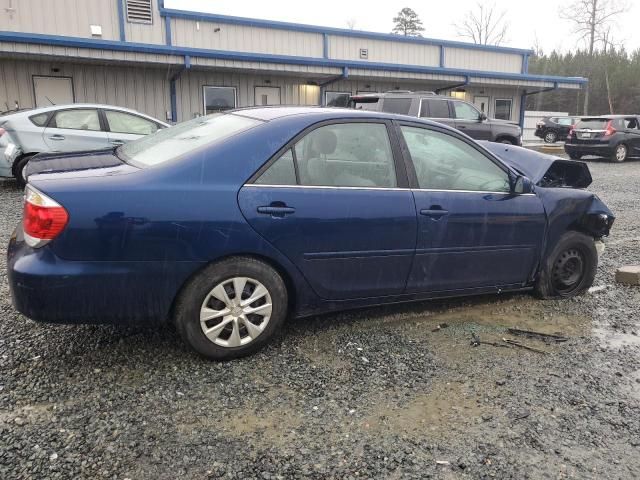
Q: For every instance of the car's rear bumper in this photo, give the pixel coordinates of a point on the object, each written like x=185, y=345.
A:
x=597, y=149
x=47, y=288
x=539, y=133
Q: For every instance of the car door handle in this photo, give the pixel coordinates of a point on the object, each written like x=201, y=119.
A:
x=434, y=212
x=117, y=142
x=276, y=211
x=56, y=137
x=461, y=127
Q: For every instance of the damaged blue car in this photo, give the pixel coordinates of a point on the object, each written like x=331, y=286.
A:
x=229, y=223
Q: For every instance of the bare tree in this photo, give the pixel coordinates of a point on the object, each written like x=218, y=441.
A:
x=592, y=19
x=351, y=23
x=408, y=23
x=484, y=25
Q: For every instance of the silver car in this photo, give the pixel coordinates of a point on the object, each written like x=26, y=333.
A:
x=67, y=128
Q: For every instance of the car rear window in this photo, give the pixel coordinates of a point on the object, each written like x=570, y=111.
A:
x=169, y=143
x=396, y=105
x=593, y=123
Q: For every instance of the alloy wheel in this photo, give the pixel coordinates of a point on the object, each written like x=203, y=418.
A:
x=550, y=137
x=568, y=271
x=235, y=312
x=621, y=153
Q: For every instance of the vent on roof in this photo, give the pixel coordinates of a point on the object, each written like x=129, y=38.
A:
x=139, y=11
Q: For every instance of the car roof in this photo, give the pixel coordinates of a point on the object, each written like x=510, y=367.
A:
x=595, y=117
x=322, y=113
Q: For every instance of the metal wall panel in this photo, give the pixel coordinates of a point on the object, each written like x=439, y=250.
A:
x=60, y=17
x=143, y=89
x=348, y=48
x=218, y=36
x=485, y=61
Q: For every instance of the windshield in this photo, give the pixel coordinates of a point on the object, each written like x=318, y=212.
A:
x=170, y=143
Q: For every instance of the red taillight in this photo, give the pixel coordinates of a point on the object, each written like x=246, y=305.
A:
x=609, y=130
x=571, y=132
x=43, y=218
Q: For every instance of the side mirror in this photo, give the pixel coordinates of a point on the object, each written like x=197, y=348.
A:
x=482, y=117
x=522, y=185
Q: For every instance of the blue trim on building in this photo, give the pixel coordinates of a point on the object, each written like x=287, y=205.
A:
x=55, y=40
x=325, y=45
x=123, y=35
x=173, y=95
x=442, y=56
x=167, y=30
x=298, y=27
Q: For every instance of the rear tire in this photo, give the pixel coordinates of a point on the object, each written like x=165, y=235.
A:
x=620, y=153
x=19, y=168
x=575, y=156
x=550, y=137
x=507, y=141
x=570, y=268
x=216, y=301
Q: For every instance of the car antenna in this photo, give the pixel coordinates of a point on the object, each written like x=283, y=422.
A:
x=50, y=101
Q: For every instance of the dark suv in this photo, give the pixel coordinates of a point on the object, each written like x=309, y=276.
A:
x=453, y=112
x=616, y=137
x=550, y=129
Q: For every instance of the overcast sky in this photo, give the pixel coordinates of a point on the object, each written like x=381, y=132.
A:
x=527, y=19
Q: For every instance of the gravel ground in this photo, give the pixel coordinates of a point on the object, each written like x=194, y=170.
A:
x=370, y=394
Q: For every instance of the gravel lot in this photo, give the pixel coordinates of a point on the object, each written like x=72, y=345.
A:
x=370, y=394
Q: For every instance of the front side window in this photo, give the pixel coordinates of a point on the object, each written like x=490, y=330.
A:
x=346, y=155
x=81, y=119
x=169, y=143
x=121, y=122
x=464, y=111
x=435, y=109
x=218, y=99
x=396, y=105
x=444, y=162
x=503, y=109
x=281, y=172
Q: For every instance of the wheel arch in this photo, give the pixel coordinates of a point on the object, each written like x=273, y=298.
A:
x=292, y=291
x=506, y=136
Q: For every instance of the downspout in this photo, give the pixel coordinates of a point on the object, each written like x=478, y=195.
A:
x=123, y=36
x=172, y=88
x=455, y=85
x=523, y=99
x=323, y=85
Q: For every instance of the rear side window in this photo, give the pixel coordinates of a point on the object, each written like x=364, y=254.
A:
x=121, y=122
x=564, y=121
x=39, y=120
x=169, y=143
x=593, y=124
x=281, y=172
x=397, y=105
x=435, y=109
x=81, y=119
x=346, y=155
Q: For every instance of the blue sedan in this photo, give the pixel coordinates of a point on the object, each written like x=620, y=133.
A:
x=229, y=223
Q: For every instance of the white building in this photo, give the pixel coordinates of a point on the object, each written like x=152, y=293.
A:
x=176, y=64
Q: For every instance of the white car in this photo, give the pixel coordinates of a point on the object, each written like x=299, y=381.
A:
x=67, y=128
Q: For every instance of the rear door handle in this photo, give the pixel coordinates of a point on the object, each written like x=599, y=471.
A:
x=56, y=137
x=117, y=142
x=276, y=211
x=434, y=212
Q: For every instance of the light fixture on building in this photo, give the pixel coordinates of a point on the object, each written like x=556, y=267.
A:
x=96, y=30
x=460, y=93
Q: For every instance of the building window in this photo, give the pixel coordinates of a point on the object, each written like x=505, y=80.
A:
x=336, y=99
x=217, y=99
x=139, y=11
x=502, y=109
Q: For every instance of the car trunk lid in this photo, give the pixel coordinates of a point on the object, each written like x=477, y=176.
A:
x=77, y=165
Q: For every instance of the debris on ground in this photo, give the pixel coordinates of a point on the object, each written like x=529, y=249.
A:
x=522, y=345
x=547, y=337
x=628, y=275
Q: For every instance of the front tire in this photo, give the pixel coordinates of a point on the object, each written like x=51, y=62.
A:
x=620, y=153
x=19, y=168
x=574, y=156
x=550, y=137
x=570, y=268
x=232, y=308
